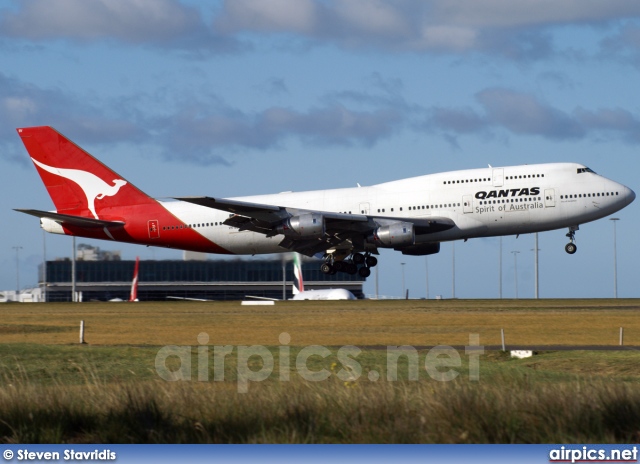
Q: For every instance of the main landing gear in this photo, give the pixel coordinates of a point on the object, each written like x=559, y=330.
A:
x=571, y=247
x=357, y=263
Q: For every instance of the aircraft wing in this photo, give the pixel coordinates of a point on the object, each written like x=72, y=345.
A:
x=339, y=227
x=67, y=219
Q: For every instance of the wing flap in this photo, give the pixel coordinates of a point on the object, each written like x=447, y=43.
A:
x=267, y=213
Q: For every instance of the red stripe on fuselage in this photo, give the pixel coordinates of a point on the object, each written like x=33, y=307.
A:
x=136, y=230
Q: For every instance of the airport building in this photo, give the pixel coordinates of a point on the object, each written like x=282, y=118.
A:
x=105, y=277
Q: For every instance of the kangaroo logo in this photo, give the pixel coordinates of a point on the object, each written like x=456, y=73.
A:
x=93, y=187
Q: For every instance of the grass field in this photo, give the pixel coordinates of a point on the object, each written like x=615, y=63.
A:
x=54, y=390
x=360, y=323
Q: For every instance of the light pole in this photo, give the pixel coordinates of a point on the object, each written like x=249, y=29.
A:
x=44, y=266
x=453, y=270
x=615, y=259
x=536, y=268
x=284, y=277
x=17, y=248
x=515, y=270
x=426, y=267
x=74, y=295
x=500, y=271
x=403, y=289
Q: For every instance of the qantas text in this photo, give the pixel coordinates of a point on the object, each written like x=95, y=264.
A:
x=508, y=193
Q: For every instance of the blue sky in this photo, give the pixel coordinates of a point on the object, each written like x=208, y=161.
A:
x=244, y=97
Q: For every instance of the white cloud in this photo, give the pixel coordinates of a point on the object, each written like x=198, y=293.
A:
x=513, y=29
x=19, y=108
x=524, y=114
x=525, y=13
x=133, y=21
x=516, y=30
x=447, y=38
x=297, y=16
x=372, y=17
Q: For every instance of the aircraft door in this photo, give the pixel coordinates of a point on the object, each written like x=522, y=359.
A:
x=467, y=204
x=498, y=177
x=153, y=228
x=364, y=208
x=549, y=198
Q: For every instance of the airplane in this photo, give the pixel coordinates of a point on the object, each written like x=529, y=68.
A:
x=347, y=226
x=299, y=293
x=133, y=296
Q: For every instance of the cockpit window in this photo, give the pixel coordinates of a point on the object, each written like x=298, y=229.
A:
x=581, y=170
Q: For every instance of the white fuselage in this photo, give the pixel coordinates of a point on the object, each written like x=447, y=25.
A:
x=481, y=202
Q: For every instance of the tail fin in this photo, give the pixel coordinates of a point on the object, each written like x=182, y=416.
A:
x=134, y=283
x=78, y=184
x=298, y=283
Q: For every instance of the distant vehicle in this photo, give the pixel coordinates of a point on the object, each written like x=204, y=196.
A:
x=348, y=226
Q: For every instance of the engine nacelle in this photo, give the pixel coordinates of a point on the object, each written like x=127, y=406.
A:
x=422, y=249
x=309, y=225
x=51, y=226
x=397, y=234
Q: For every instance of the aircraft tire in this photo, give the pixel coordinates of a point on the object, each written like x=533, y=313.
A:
x=326, y=268
x=364, y=272
x=571, y=248
x=371, y=261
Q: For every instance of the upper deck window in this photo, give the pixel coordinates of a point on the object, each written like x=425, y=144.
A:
x=581, y=170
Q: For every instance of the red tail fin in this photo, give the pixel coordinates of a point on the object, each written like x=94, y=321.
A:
x=134, y=283
x=78, y=183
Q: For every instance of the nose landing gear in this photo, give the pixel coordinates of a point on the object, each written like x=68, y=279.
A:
x=571, y=247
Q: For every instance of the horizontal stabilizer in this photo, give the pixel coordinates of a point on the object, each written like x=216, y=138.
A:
x=68, y=219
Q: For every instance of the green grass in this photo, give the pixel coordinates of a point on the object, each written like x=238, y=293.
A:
x=6, y=329
x=53, y=390
x=84, y=394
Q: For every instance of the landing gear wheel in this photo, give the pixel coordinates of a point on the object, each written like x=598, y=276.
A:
x=358, y=258
x=364, y=272
x=339, y=266
x=327, y=268
x=371, y=261
x=571, y=247
x=351, y=268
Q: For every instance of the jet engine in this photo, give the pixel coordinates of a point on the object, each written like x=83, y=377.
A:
x=310, y=225
x=422, y=249
x=398, y=234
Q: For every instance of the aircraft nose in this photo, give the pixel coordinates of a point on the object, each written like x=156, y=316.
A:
x=630, y=194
